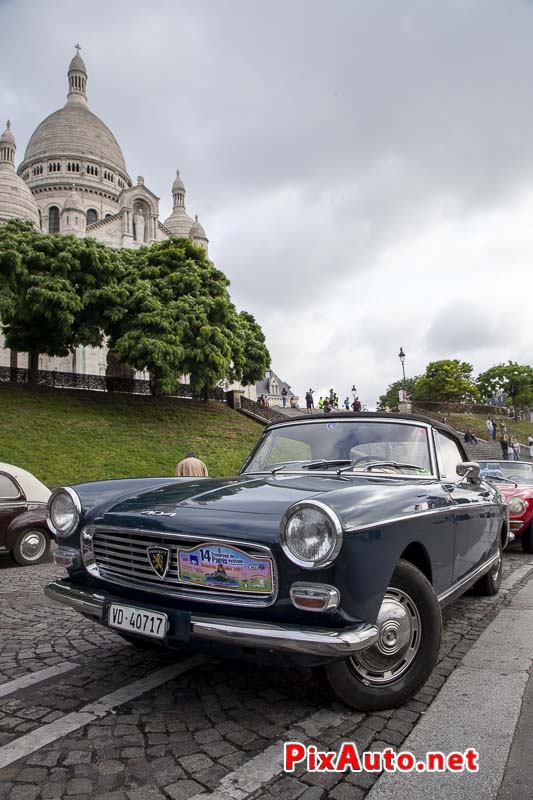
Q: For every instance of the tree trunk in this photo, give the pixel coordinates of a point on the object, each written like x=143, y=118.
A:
x=205, y=393
x=13, y=364
x=33, y=367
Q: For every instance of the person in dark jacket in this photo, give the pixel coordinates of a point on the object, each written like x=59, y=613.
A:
x=504, y=444
x=469, y=437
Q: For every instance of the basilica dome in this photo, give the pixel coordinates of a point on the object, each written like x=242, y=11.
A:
x=16, y=200
x=76, y=132
x=74, y=141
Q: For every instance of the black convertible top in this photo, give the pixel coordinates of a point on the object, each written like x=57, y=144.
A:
x=384, y=415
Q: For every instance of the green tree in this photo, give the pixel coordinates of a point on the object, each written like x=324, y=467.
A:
x=516, y=380
x=252, y=359
x=446, y=381
x=177, y=318
x=56, y=292
x=391, y=396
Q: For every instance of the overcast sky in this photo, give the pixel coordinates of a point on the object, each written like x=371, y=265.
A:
x=364, y=170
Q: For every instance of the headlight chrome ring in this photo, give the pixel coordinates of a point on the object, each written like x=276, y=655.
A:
x=516, y=506
x=331, y=520
x=75, y=511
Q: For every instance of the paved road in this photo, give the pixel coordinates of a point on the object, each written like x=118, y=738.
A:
x=84, y=715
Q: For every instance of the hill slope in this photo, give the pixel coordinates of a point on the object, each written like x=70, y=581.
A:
x=68, y=436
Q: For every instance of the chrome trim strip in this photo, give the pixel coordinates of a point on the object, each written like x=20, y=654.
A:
x=446, y=510
x=67, y=557
x=337, y=529
x=472, y=576
x=77, y=505
x=339, y=643
x=332, y=642
x=322, y=591
x=84, y=601
x=176, y=588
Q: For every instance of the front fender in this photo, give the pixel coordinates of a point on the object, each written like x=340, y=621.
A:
x=33, y=518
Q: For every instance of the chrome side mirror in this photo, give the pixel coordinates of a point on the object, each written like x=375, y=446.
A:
x=469, y=471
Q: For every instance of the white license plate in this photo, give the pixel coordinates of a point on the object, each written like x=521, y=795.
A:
x=137, y=620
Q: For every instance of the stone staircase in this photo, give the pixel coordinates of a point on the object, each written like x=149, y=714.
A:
x=483, y=450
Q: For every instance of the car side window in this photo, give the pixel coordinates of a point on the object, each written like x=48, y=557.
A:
x=448, y=456
x=8, y=489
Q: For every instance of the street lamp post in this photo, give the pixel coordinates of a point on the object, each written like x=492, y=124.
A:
x=401, y=356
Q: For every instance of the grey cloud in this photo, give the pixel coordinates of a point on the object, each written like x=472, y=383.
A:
x=316, y=141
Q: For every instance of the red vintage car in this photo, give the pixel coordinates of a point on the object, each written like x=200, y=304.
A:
x=515, y=482
x=23, y=529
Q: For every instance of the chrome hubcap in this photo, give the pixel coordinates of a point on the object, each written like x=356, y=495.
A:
x=399, y=629
x=33, y=545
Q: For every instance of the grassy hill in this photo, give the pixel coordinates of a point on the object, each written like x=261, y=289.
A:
x=68, y=436
x=520, y=429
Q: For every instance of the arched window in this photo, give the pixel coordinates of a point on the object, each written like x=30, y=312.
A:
x=53, y=219
x=92, y=216
x=108, y=215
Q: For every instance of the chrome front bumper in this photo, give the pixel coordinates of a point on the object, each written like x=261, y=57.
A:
x=333, y=642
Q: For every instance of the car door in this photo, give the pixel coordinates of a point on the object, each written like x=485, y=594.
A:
x=12, y=503
x=474, y=513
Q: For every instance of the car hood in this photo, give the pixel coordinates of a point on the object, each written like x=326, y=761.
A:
x=525, y=492
x=250, y=504
x=242, y=494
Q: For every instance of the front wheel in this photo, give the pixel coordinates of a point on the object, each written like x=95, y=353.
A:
x=394, y=668
x=489, y=583
x=31, y=547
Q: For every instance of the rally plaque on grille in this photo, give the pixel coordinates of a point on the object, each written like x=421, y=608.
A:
x=219, y=567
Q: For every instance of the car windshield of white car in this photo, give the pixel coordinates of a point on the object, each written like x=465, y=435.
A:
x=394, y=448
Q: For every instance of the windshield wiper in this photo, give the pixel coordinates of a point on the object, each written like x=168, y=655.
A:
x=498, y=480
x=334, y=462
x=320, y=462
x=394, y=464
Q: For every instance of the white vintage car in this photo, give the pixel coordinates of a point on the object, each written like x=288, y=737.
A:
x=23, y=529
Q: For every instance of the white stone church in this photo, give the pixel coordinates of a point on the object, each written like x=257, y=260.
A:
x=73, y=180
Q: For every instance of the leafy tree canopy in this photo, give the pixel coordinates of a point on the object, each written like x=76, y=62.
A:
x=446, y=381
x=516, y=380
x=392, y=396
x=56, y=292
x=253, y=359
x=165, y=308
x=178, y=318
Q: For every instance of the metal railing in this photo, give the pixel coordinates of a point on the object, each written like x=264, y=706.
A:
x=262, y=412
x=97, y=383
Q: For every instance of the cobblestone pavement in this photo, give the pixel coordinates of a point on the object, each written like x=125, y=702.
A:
x=213, y=730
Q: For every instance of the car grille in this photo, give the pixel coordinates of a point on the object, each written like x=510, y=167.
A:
x=120, y=556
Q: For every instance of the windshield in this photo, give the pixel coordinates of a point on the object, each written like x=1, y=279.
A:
x=351, y=445
x=512, y=470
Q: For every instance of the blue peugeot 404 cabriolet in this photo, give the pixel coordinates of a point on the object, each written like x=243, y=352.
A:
x=334, y=548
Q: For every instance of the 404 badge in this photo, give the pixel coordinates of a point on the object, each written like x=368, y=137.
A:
x=227, y=568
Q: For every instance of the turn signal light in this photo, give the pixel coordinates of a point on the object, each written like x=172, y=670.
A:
x=66, y=557
x=314, y=596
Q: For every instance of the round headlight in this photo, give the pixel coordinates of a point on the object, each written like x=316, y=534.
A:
x=311, y=535
x=64, y=510
x=516, y=506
